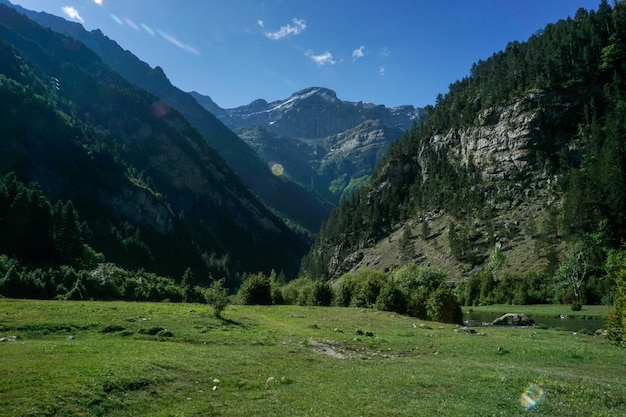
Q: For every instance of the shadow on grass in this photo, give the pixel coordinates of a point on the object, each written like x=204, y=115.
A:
x=230, y=322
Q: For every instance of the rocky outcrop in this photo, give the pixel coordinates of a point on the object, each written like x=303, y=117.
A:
x=142, y=206
x=503, y=142
x=513, y=319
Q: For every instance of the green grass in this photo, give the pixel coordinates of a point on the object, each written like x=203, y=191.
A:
x=165, y=360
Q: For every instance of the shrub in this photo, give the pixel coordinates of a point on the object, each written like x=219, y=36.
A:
x=442, y=306
x=165, y=333
x=152, y=331
x=371, y=289
x=391, y=298
x=616, y=320
x=345, y=290
x=416, y=304
x=322, y=294
x=577, y=305
x=217, y=296
x=359, y=289
x=413, y=277
x=256, y=289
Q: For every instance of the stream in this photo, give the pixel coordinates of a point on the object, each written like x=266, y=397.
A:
x=476, y=318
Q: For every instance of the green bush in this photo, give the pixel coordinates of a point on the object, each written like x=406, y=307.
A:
x=391, y=298
x=616, y=320
x=442, y=306
x=359, y=289
x=413, y=277
x=577, y=305
x=322, y=294
x=416, y=304
x=256, y=289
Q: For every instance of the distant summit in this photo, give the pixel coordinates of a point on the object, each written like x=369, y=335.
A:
x=312, y=113
x=321, y=141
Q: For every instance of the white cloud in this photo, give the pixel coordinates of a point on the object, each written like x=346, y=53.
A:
x=72, y=13
x=358, y=53
x=385, y=51
x=260, y=23
x=320, y=60
x=298, y=26
x=381, y=71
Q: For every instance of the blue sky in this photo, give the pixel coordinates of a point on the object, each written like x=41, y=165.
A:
x=384, y=52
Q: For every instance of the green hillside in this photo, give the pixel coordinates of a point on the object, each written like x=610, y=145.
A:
x=524, y=157
x=153, y=195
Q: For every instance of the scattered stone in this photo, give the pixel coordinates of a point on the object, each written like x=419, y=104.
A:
x=425, y=326
x=9, y=339
x=369, y=334
x=337, y=330
x=191, y=311
x=358, y=332
x=469, y=330
x=600, y=332
x=271, y=381
x=216, y=381
x=513, y=319
x=414, y=326
x=70, y=337
x=214, y=387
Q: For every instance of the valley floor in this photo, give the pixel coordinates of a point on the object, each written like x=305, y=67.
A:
x=118, y=359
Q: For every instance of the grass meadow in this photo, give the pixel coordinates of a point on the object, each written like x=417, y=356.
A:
x=161, y=359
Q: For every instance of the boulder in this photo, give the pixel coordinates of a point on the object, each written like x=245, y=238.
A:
x=513, y=319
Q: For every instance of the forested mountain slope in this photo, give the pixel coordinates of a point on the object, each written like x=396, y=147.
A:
x=524, y=158
x=290, y=199
x=153, y=193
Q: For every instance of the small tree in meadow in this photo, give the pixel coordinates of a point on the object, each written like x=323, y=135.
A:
x=217, y=296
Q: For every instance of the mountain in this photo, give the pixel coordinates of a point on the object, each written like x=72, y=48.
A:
x=519, y=167
x=321, y=141
x=291, y=200
x=152, y=192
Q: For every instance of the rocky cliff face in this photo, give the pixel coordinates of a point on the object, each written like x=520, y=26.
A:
x=500, y=145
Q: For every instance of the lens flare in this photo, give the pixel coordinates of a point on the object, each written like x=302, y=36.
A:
x=98, y=2
x=147, y=29
x=532, y=397
x=178, y=43
x=277, y=169
x=117, y=19
x=132, y=24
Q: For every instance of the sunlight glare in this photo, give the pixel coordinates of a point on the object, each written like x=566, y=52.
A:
x=532, y=397
x=277, y=169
